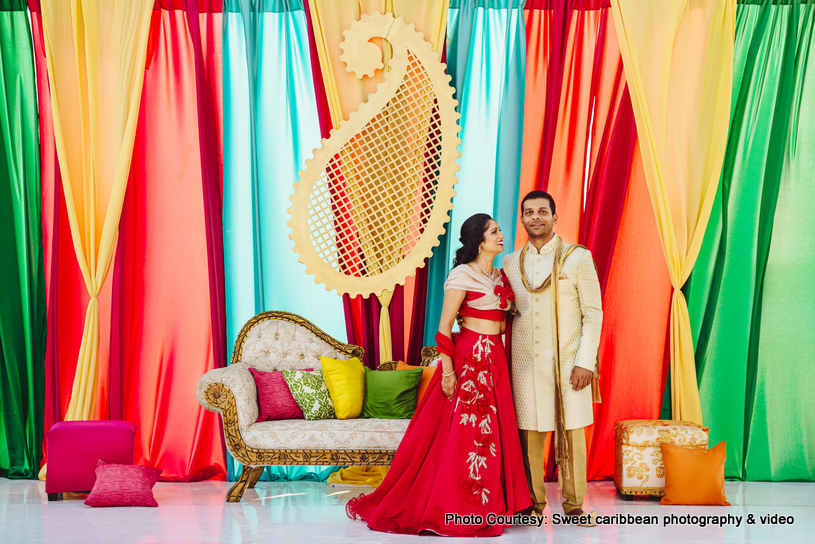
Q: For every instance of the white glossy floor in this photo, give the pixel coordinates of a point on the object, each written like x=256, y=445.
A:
x=314, y=512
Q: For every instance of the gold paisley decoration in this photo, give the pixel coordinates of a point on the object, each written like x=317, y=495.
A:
x=373, y=201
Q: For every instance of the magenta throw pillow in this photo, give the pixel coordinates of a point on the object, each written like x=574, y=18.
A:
x=274, y=398
x=123, y=485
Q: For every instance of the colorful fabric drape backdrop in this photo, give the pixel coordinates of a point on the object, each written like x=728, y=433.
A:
x=163, y=339
x=486, y=59
x=22, y=291
x=555, y=80
x=271, y=128
x=748, y=296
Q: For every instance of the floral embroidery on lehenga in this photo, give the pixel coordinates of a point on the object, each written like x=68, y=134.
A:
x=479, y=376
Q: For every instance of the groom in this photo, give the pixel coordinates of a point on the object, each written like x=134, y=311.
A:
x=558, y=297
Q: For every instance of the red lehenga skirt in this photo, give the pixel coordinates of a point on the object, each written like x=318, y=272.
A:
x=460, y=457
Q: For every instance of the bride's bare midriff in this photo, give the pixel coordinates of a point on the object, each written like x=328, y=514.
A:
x=482, y=326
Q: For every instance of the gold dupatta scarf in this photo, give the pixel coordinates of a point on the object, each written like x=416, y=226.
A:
x=561, y=449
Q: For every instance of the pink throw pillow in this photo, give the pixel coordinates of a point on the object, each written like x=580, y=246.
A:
x=123, y=485
x=274, y=398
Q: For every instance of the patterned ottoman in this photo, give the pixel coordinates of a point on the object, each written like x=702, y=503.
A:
x=638, y=468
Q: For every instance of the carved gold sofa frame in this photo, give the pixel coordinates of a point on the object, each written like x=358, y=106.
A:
x=225, y=390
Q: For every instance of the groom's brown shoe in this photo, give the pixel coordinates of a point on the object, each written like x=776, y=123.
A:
x=534, y=511
x=584, y=519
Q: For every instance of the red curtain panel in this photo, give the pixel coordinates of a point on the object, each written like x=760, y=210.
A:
x=168, y=288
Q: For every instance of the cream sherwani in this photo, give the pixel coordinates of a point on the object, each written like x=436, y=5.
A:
x=580, y=321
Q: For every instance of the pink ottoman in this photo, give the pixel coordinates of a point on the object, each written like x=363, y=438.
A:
x=75, y=447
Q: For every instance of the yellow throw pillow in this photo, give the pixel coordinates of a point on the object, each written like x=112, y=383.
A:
x=346, y=385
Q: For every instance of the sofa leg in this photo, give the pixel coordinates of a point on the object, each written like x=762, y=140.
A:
x=53, y=497
x=628, y=497
x=235, y=494
x=255, y=476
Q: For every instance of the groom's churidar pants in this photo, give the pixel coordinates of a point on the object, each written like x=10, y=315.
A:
x=574, y=489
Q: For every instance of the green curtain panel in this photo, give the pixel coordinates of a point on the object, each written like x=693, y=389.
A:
x=750, y=295
x=781, y=432
x=22, y=282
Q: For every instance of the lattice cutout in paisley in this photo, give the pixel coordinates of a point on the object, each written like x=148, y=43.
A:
x=373, y=201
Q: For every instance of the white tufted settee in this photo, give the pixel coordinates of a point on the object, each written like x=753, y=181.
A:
x=284, y=341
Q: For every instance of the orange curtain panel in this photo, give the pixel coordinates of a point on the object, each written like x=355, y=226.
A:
x=678, y=58
x=636, y=313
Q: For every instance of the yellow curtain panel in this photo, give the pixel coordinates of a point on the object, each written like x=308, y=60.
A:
x=96, y=56
x=678, y=58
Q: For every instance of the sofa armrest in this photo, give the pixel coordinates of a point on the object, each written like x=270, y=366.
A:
x=239, y=381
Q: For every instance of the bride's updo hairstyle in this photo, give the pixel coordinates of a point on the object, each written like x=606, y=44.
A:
x=472, y=234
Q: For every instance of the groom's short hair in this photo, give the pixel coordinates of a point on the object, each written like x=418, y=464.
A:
x=538, y=194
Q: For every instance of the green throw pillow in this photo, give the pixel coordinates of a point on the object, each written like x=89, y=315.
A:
x=391, y=394
x=310, y=393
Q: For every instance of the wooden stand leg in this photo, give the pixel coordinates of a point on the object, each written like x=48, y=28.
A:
x=255, y=476
x=249, y=476
x=235, y=493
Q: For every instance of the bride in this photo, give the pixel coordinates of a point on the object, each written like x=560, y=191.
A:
x=461, y=454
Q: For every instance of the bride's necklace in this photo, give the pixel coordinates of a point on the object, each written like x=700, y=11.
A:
x=482, y=270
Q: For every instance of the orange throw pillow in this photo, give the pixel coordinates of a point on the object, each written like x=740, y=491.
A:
x=694, y=476
x=427, y=375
